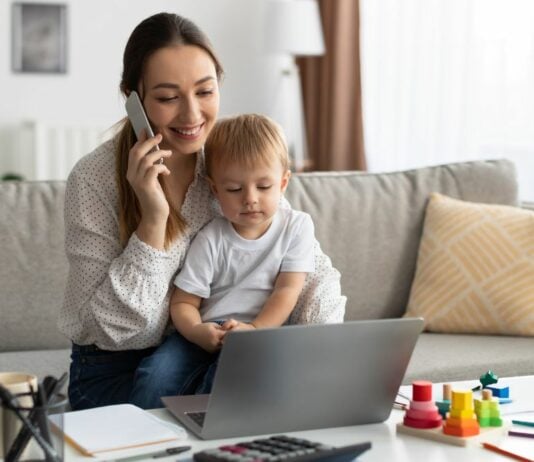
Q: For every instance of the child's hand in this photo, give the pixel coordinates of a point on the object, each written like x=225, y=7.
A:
x=232, y=324
x=208, y=335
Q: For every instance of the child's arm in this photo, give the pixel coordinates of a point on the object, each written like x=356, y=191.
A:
x=283, y=299
x=185, y=315
x=278, y=306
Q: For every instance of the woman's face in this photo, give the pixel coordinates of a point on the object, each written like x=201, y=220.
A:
x=180, y=93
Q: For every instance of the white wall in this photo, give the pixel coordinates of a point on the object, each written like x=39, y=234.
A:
x=97, y=33
x=448, y=81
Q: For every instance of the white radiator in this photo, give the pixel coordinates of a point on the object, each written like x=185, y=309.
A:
x=46, y=151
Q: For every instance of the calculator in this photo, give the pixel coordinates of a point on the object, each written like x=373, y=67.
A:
x=281, y=448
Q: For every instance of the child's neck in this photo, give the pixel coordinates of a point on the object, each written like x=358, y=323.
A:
x=252, y=233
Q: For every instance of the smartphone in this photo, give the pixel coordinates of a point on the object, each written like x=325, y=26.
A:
x=138, y=118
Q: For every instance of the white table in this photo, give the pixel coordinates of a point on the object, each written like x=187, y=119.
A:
x=387, y=445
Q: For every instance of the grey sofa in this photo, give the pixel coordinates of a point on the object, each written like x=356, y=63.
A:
x=370, y=225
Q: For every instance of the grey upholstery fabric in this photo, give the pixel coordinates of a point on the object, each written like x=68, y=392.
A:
x=34, y=266
x=371, y=224
x=444, y=358
x=38, y=362
x=437, y=357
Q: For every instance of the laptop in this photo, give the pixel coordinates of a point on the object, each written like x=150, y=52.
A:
x=302, y=377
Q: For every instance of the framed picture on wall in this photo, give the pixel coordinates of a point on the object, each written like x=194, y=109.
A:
x=39, y=37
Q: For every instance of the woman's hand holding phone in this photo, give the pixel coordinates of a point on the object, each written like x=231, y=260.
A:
x=145, y=164
x=142, y=174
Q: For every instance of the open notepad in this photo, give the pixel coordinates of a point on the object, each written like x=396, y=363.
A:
x=112, y=428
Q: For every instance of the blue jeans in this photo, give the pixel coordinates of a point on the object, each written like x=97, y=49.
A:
x=177, y=367
x=101, y=378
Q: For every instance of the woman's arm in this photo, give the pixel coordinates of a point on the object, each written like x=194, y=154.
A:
x=320, y=301
x=116, y=298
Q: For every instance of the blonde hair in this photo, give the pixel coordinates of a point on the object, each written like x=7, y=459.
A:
x=248, y=140
x=156, y=32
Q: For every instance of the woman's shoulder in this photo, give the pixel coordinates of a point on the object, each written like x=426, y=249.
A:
x=98, y=167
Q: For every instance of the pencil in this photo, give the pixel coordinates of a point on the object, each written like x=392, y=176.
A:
x=498, y=450
x=526, y=423
x=401, y=406
x=525, y=434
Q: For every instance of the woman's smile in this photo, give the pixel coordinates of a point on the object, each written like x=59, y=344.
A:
x=188, y=133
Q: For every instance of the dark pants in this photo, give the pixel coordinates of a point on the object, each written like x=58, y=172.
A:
x=140, y=377
x=101, y=378
x=177, y=367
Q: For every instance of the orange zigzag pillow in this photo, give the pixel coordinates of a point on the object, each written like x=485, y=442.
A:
x=475, y=269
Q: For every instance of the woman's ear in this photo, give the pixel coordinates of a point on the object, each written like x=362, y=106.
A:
x=285, y=181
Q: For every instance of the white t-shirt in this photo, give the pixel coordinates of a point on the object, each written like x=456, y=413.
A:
x=236, y=276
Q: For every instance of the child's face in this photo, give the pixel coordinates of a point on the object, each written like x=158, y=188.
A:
x=249, y=198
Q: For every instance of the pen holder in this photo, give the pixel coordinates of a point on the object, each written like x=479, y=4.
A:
x=33, y=432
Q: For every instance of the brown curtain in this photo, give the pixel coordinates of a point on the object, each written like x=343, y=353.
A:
x=331, y=86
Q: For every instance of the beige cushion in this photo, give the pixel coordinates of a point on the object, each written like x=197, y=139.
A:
x=475, y=269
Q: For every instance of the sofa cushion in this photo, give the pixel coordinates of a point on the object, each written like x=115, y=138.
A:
x=34, y=266
x=370, y=224
x=475, y=269
x=448, y=357
x=435, y=358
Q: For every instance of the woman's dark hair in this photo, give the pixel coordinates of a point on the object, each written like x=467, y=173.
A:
x=152, y=34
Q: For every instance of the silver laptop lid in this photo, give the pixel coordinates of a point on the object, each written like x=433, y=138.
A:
x=309, y=376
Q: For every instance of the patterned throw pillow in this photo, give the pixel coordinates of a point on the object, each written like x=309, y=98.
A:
x=475, y=269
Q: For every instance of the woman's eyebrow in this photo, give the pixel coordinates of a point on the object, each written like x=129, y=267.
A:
x=175, y=86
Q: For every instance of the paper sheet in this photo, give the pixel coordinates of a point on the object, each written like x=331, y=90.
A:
x=117, y=427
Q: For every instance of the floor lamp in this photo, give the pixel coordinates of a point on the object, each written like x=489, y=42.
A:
x=293, y=28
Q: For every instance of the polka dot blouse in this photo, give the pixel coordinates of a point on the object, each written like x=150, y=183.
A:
x=118, y=297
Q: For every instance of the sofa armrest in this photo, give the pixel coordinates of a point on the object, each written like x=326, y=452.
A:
x=527, y=205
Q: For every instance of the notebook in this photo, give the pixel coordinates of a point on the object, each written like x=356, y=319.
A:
x=302, y=377
x=113, y=428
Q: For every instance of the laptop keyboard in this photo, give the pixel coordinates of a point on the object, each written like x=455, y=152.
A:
x=197, y=417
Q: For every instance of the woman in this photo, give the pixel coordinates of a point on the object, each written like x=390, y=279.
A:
x=129, y=218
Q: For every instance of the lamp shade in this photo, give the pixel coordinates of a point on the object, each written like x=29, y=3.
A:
x=294, y=27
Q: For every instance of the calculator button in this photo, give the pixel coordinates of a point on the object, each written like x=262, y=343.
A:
x=223, y=455
x=255, y=453
x=234, y=457
x=324, y=447
x=301, y=441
